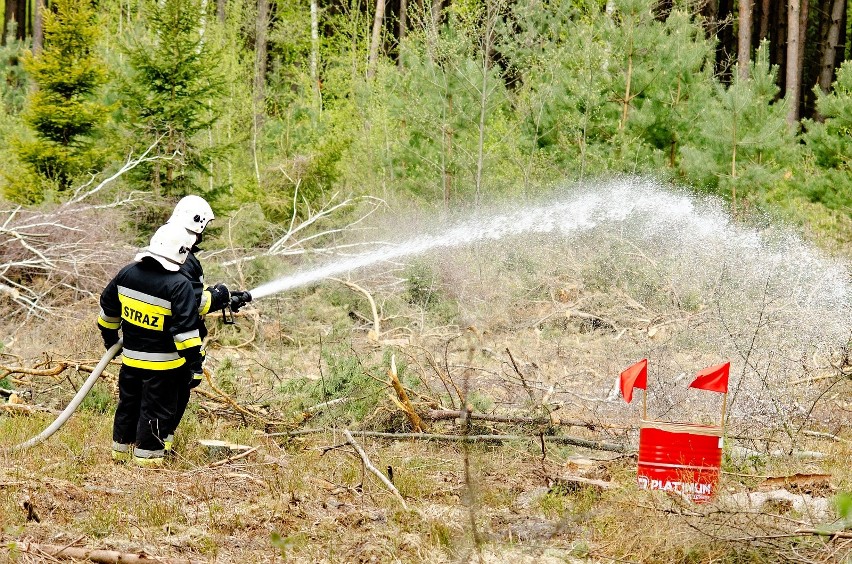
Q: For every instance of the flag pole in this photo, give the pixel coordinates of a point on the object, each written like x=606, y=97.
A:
x=645, y=404
x=724, y=407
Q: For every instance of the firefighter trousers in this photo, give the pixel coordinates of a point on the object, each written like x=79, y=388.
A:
x=183, y=393
x=147, y=402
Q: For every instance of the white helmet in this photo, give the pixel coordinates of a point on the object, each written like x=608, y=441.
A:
x=169, y=246
x=193, y=213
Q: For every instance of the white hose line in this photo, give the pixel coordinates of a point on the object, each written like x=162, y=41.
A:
x=75, y=402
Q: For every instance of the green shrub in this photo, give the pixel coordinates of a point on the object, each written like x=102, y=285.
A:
x=98, y=400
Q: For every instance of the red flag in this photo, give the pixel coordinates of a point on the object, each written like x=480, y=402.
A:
x=635, y=376
x=713, y=378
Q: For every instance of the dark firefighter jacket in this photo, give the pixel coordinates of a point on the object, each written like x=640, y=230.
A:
x=157, y=313
x=210, y=299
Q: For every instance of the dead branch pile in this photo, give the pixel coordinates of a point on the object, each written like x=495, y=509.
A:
x=50, y=260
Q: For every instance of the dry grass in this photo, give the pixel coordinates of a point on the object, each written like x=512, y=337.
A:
x=297, y=502
x=569, y=321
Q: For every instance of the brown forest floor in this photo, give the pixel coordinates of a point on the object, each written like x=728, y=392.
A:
x=555, y=346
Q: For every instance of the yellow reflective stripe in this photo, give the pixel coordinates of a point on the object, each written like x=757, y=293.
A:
x=143, y=314
x=189, y=343
x=206, y=301
x=108, y=324
x=153, y=364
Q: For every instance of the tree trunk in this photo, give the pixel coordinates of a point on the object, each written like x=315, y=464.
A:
x=792, y=74
x=803, y=35
x=487, y=40
x=220, y=10
x=842, y=48
x=829, y=48
x=778, y=34
x=447, y=154
x=625, y=102
x=259, y=76
x=763, y=28
x=378, y=20
x=315, y=54
x=403, y=22
x=38, y=27
x=20, y=16
x=8, y=10
x=744, y=39
x=436, y=13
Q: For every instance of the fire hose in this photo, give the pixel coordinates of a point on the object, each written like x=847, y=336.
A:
x=237, y=301
x=75, y=401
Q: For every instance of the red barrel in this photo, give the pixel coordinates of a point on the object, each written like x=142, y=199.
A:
x=682, y=458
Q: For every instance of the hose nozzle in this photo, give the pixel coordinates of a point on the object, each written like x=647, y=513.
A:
x=238, y=300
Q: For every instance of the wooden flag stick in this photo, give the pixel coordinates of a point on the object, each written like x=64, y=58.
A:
x=645, y=404
x=724, y=407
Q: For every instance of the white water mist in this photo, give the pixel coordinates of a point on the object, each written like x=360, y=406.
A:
x=641, y=208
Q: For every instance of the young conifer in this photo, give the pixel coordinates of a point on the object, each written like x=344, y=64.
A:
x=63, y=111
x=830, y=144
x=172, y=90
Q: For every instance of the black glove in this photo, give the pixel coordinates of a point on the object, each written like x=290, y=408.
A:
x=219, y=296
x=110, y=338
x=195, y=381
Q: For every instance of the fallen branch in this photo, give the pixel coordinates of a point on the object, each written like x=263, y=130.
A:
x=369, y=465
x=222, y=396
x=93, y=555
x=796, y=533
x=585, y=443
x=821, y=435
x=404, y=402
x=448, y=414
x=56, y=371
x=26, y=408
x=243, y=454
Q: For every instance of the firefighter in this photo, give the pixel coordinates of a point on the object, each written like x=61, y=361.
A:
x=193, y=213
x=154, y=306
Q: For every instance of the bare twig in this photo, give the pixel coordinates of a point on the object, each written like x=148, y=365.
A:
x=129, y=165
x=292, y=243
x=369, y=465
x=243, y=454
x=377, y=324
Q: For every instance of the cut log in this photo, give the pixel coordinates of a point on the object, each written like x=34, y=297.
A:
x=221, y=450
x=572, y=483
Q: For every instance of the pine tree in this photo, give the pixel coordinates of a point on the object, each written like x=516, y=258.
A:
x=830, y=143
x=450, y=103
x=744, y=146
x=172, y=90
x=64, y=112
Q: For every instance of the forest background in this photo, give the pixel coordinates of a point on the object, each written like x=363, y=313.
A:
x=284, y=103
